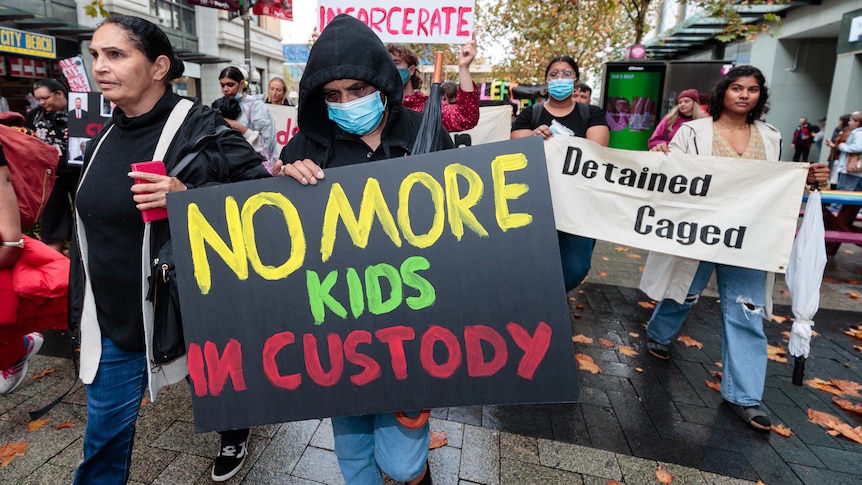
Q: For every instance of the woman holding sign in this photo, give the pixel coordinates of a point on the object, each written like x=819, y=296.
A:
x=350, y=112
x=736, y=104
x=562, y=115
x=134, y=64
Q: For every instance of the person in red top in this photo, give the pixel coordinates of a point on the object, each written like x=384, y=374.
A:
x=459, y=116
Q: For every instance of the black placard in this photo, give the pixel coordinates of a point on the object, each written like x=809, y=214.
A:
x=457, y=289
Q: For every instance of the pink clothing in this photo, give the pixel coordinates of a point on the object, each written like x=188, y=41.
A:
x=462, y=115
x=661, y=135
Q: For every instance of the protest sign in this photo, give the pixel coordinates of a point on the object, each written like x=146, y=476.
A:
x=409, y=283
x=404, y=21
x=726, y=210
x=83, y=125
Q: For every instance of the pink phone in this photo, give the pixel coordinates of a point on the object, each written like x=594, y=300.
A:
x=157, y=167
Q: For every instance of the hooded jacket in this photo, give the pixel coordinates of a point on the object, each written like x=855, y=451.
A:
x=348, y=49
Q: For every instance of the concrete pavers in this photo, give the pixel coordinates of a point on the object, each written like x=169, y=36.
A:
x=628, y=422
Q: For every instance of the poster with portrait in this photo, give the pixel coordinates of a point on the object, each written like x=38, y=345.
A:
x=87, y=112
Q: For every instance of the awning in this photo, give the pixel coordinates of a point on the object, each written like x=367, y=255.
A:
x=696, y=33
x=8, y=14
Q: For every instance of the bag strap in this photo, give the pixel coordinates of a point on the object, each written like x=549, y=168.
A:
x=172, y=125
x=537, y=114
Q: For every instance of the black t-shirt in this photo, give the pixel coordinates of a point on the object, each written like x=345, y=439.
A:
x=572, y=121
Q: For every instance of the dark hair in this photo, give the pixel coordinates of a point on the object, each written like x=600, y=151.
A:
x=53, y=85
x=228, y=108
x=410, y=58
x=844, y=120
x=583, y=87
x=716, y=97
x=232, y=72
x=148, y=38
x=449, y=90
x=568, y=60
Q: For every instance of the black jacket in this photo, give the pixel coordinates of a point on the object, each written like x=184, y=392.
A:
x=224, y=157
x=348, y=49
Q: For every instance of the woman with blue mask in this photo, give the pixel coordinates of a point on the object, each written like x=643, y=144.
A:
x=562, y=115
x=255, y=123
x=350, y=112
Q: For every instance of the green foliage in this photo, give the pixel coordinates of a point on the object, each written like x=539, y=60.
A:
x=96, y=9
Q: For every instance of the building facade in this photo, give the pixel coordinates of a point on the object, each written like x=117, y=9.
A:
x=812, y=61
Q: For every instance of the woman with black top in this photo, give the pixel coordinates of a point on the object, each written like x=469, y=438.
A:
x=133, y=64
x=561, y=115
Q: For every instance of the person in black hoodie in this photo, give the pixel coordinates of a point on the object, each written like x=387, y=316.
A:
x=134, y=64
x=350, y=112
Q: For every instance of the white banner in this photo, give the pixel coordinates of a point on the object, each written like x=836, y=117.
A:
x=76, y=74
x=404, y=21
x=731, y=211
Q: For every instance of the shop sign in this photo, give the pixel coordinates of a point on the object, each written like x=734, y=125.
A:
x=28, y=43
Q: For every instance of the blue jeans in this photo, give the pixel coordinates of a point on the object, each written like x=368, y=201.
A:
x=113, y=400
x=743, y=342
x=576, y=253
x=366, y=444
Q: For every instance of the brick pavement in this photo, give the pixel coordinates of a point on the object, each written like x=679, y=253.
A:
x=627, y=423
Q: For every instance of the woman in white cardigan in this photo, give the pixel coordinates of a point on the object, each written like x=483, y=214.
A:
x=733, y=130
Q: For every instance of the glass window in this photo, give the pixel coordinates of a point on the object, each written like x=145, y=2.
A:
x=174, y=14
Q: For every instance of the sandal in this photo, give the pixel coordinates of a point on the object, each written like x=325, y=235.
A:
x=752, y=415
x=657, y=350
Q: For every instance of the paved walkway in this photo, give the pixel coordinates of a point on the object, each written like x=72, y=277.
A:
x=629, y=420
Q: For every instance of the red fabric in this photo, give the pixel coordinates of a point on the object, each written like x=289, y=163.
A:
x=33, y=297
x=460, y=116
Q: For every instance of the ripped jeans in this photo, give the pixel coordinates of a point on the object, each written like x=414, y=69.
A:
x=743, y=342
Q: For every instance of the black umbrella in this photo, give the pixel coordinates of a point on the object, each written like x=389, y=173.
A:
x=432, y=116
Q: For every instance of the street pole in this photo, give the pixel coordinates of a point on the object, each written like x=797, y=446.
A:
x=246, y=28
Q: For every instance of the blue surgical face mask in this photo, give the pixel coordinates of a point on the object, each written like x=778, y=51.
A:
x=359, y=116
x=238, y=95
x=561, y=89
x=405, y=74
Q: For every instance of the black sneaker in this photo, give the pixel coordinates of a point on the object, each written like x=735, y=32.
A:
x=657, y=350
x=229, y=461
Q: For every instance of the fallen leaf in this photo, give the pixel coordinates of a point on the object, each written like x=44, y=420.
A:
x=638, y=369
x=44, y=373
x=577, y=316
x=582, y=339
x=606, y=343
x=9, y=451
x=847, y=405
x=145, y=401
x=760, y=482
x=601, y=273
x=778, y=319
x=579, y=307
x=438, y=440
x=663, y=475
x=835, y=425
x=853, y=295
x=850, y=388
x=858, y=347
x=717, y=374
x=776, y=353
x=633, y=256
x=719, y=364
x=641, y=269
x=37, y=424
x=782, y=430
x=689, y=342
x=67, y=424
x=605, y=258
x=626, y=350
x=571, y=298
x=634, y=334
x=825, y=386
x=855, y=332
x=647, y=304
x=613, y=482
x=714, y=385
x=585, y=362
x=621, y=249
